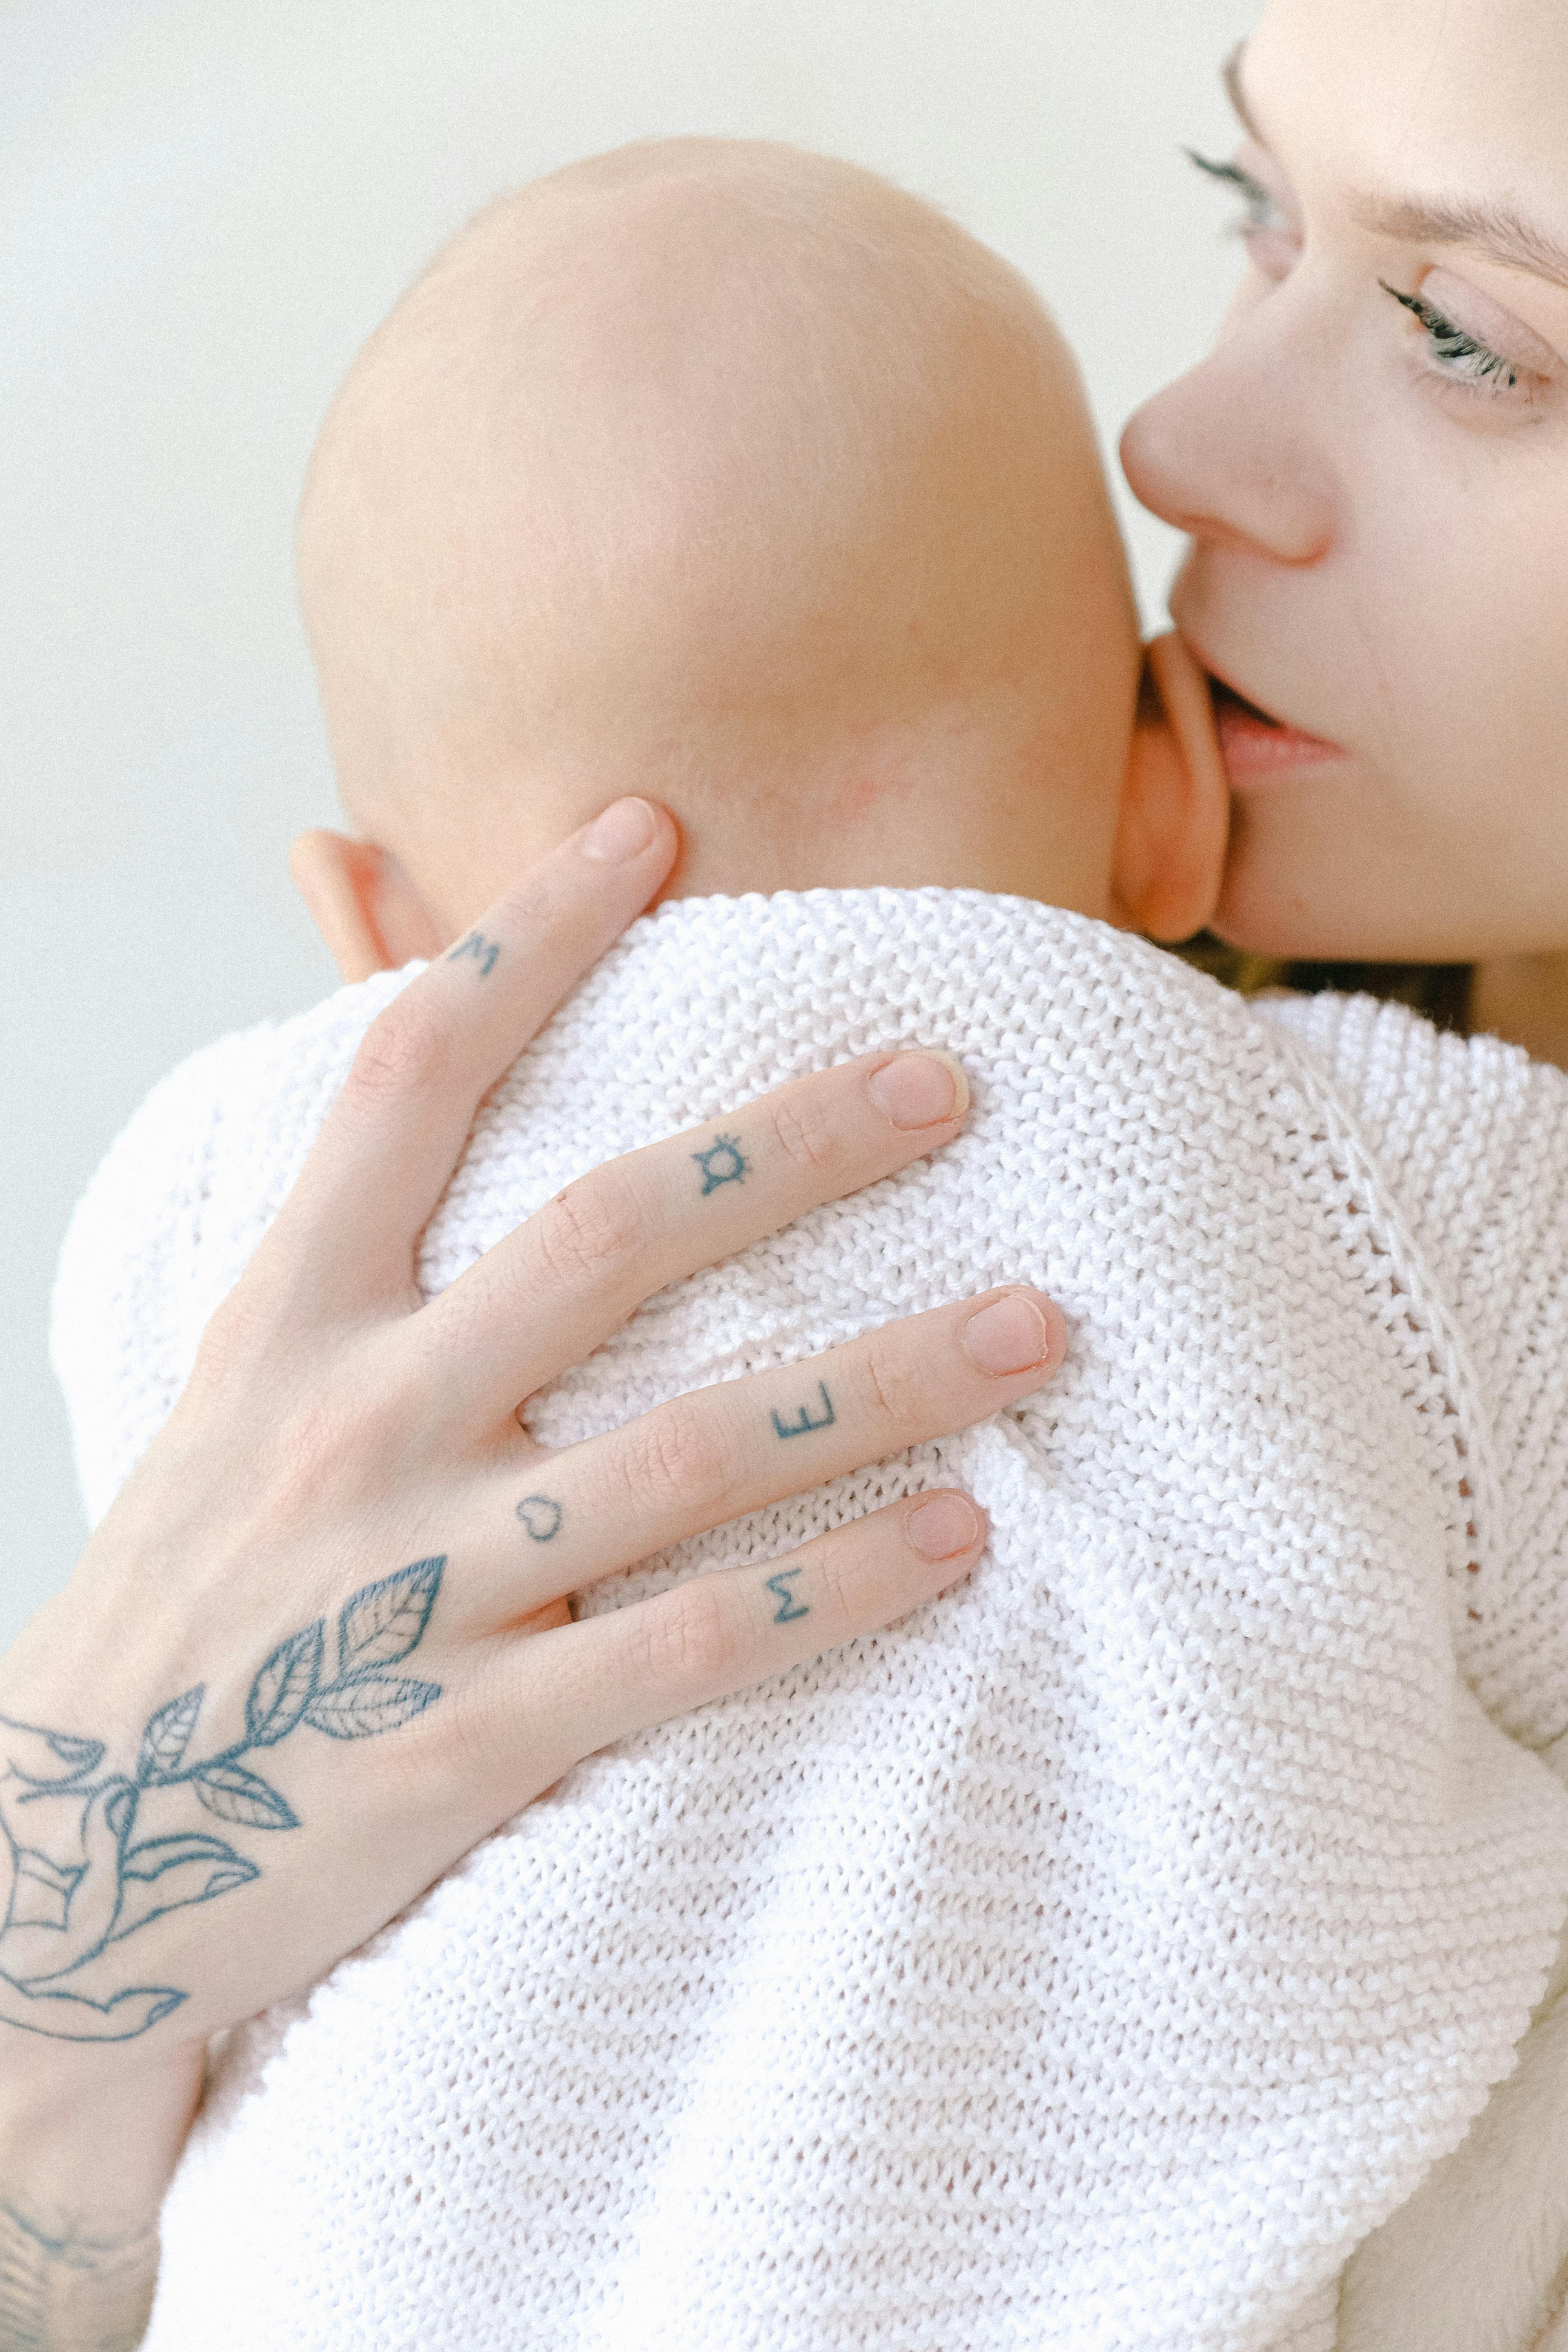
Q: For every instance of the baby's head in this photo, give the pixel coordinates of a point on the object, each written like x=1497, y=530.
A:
x=731, y=475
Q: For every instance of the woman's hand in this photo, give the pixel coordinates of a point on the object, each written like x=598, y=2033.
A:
x=289, y=1684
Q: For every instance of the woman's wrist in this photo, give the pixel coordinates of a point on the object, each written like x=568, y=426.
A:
x=87, y=2143
x=74, y=2284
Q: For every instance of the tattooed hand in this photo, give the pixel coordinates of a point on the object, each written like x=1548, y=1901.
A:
x=64, y=1914
x=321, y=1644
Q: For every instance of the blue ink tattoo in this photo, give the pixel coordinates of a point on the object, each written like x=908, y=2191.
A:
x=825, y=1420
x=542, y=1515
x=79, y=1884
x=721, y=1163
x=70, y=2266
x=476, y=945
x=779, y=1586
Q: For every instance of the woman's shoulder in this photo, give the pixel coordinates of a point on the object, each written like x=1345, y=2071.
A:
x=1466, y=1128
x=1470, y=1133
x=1471, y=1138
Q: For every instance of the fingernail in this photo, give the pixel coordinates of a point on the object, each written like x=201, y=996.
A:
x=1008, y=1336
x=920, y=1089
x=625, y=829
x=943, y=1523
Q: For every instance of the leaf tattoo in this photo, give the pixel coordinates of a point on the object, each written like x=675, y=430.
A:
x=285, y=1687
x=79, y=1885
x=382, y=1623
x=236, y=1795
x=366, y=1708
x=167, y=1735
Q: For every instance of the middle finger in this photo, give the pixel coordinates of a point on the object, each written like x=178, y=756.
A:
x=552, y=1290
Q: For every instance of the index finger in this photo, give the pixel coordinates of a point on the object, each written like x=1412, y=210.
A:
x=395, y=1133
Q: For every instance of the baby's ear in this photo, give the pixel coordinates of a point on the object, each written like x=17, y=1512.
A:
x=362, y=903
x=1176, y=802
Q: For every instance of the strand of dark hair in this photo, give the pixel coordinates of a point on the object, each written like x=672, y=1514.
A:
x=1440, y=990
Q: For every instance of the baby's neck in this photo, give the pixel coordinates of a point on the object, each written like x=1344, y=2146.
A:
x=944, y=802
x=884, y=833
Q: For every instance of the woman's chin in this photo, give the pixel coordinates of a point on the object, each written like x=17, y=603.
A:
x=1283, y=891
x=1306, y=901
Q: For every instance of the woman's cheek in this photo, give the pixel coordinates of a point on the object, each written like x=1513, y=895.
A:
x=1476, y=630
x=1512, y=785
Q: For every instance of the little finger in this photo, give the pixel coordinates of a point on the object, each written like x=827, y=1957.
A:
x=556, y=1698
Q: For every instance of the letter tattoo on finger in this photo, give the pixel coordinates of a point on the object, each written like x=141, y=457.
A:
x=804, y=1424
x=779, y=1586
x=484, y=951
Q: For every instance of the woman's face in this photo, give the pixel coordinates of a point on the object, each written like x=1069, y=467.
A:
x=1373, y=468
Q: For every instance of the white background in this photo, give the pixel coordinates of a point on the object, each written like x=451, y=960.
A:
x=204, y=207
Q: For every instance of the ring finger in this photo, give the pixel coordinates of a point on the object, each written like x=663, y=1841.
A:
x=558, y=1521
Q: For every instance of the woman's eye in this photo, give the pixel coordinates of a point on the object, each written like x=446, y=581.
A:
x=1267, y=235
x=1462, y=358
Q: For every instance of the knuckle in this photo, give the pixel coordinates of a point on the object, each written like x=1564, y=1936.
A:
x=456, y=1756
x=404, y=1052
x=892, y=1386
x=839, y=1576
x=469, y=1750
x=690, y=1640
x=593, y=1230
x=342, y=1442
x=805, y=1134
x=681, y=1460
x=531, y=903
x=244, y=1341
x=317, y=1452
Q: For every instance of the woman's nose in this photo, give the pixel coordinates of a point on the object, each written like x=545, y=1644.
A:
x=1219, y=454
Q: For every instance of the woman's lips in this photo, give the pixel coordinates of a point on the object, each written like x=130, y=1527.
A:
x=1254, y=745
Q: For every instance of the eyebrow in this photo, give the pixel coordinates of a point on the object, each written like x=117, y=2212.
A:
x=1492, y=229
x=1230, y=74
x=1496, y=230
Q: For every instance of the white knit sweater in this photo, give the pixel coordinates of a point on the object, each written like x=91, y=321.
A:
x=1090, y=1961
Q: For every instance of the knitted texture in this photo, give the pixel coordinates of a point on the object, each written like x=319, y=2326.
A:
x=1469, y=1138
x=1087, y=1962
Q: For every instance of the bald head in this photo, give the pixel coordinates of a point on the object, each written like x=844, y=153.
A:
x=726, y=473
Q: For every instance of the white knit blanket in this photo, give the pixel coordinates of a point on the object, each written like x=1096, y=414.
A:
x=1090, y=1960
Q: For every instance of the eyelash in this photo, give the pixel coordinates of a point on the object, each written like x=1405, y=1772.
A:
x=1262, y=212
x=1461, y=359
x=1480, y=367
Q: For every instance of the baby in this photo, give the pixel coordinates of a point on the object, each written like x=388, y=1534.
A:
x=1093, y=1959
